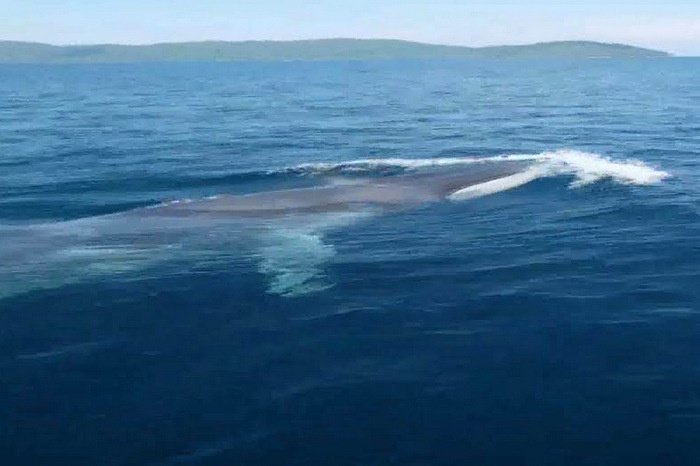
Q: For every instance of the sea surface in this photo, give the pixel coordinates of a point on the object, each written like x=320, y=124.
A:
x=550, y=319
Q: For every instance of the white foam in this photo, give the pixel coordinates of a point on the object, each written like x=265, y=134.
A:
x=586, y=167
x=369, y=164
x=589, y=168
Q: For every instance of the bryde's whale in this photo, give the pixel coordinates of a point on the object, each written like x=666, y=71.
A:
x=282, y=229
x=390, y=192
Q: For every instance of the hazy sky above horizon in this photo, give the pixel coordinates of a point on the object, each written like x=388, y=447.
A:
x=672, y=25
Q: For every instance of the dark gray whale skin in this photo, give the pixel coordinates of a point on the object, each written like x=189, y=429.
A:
x=385, y=193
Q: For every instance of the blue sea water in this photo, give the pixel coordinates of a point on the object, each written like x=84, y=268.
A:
x=548, y=322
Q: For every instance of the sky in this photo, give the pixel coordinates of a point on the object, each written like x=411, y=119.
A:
x=670, y=25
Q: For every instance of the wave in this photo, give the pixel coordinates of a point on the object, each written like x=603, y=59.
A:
x=590, y=167
x=585, y=167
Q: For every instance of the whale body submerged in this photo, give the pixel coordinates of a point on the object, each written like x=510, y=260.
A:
x=282, y=229
x=389, y=192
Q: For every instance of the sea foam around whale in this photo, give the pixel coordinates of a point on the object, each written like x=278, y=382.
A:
x=586, y=167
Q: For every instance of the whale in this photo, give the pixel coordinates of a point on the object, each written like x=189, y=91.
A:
x=385, y=193
x=283, y=230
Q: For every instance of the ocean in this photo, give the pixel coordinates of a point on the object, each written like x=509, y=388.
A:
x=548, y=316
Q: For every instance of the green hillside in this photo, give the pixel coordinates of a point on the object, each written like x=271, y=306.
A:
x=322, y=49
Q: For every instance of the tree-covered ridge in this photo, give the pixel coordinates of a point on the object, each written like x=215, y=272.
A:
x=321, y=49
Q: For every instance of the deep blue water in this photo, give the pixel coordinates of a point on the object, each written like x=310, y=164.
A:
x=557, y=322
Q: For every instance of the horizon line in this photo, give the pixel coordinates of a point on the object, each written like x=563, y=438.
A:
x=312, y=39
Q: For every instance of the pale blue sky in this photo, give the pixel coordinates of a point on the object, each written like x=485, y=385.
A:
x=672, y=25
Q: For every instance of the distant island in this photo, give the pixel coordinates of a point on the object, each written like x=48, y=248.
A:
x=320, y=49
